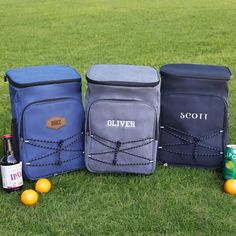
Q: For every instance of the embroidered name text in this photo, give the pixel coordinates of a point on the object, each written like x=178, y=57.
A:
x=121, y=123
x=194, y=116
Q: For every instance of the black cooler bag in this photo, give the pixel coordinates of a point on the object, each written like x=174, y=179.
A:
x=194, y=113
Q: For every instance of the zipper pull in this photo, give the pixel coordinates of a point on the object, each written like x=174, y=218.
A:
x=21, y=142
x=5, y=78
x=17, y=98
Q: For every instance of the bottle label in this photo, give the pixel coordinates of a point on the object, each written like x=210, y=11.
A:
x=12, y=176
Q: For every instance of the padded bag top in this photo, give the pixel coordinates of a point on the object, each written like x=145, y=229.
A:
x=123, y=75
x=41, y=75
x=196, y=71
x=194, y=78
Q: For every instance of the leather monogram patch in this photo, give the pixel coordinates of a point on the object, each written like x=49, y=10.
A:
x=56, y=122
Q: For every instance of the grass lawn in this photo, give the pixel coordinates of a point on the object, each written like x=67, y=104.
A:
x=172, y=201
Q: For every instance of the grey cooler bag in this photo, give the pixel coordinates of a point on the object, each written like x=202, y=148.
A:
x=122, y=115
x=194, y=114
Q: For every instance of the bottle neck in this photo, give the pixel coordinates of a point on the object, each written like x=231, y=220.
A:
x=8, y=150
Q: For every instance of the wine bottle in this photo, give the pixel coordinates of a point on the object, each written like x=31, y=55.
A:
x=11, y=169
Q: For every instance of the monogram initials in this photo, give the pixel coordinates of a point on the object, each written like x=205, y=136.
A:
x=56, y=122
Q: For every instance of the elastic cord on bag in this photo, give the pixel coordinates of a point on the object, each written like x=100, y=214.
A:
x=114, y=147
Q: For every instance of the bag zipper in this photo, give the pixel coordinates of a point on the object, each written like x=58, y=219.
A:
x=184, y=76
x=17, y=85
x=123, y=83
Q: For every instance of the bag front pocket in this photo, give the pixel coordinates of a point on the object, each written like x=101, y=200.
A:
x=121, y=137
x=193, y=130
x=51, y=134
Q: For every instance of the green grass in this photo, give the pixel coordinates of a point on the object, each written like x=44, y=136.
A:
x=172, y=201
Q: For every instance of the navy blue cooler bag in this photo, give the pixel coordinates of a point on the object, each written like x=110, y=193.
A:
x=194, y=114
x=47, y=119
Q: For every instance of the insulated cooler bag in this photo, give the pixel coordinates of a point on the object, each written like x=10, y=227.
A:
x=122, y=114
x=194, y=113
x=47, y=119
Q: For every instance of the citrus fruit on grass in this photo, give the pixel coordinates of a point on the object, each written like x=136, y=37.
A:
x=230, y=186
x=43, y=185
x=29, y=197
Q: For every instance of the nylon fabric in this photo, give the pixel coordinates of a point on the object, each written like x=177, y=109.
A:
x=194, y=115
x=44, y=150
x=121, y=122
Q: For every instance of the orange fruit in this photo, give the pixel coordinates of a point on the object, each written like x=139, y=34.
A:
x=29, y=197
x=230, y=186
x=43, y=185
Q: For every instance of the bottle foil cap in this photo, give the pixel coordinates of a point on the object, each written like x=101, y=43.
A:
x=7, y=136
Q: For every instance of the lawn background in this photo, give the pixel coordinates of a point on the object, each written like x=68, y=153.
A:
x=172, y=201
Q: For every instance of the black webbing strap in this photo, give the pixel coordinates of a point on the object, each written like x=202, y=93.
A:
x=115, y=147
x=59, y=146
x=188, y=138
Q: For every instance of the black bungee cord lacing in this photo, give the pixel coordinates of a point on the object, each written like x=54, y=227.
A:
x=56, y=150
x=188, y=138
x=115, y=148
x=59, y=148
